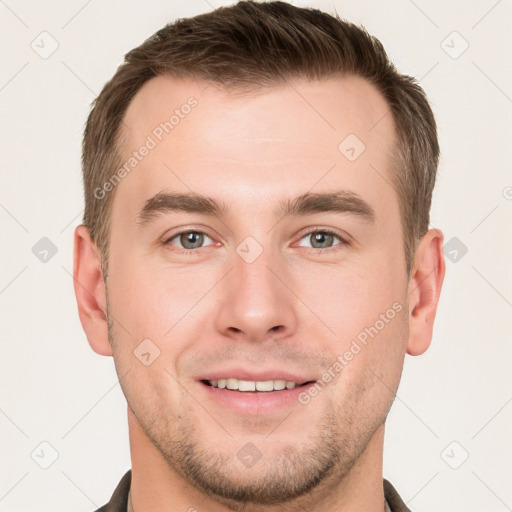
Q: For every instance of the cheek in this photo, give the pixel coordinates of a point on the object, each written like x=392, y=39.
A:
x=166, y=305
x=143, y=309
x=370, y=368
x=148, y=299
x=349, y=299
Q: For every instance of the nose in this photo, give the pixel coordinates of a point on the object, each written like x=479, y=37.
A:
x=255, y=302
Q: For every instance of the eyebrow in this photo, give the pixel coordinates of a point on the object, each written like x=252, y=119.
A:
x=342, y=201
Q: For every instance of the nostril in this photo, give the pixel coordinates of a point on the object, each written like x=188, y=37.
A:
x=277, y=328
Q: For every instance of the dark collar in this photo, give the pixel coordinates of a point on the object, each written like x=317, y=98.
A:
x=119, y=500
x=395, y=503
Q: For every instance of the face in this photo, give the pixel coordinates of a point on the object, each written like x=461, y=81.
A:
x=256, y=245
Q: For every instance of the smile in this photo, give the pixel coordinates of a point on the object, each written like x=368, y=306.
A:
x=250, y=385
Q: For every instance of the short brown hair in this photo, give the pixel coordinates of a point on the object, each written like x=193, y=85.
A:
x=255, y=45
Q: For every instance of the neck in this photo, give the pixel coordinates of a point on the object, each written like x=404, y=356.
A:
x=156, y=486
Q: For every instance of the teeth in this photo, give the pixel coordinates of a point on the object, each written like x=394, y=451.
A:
x=250, y=385
x=279, y=385
x=265, y=385
x=232, y=383
x=246, y=385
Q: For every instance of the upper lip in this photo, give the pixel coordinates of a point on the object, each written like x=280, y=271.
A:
x=247, y=375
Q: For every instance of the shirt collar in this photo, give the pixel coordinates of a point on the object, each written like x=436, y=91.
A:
x=129, y=506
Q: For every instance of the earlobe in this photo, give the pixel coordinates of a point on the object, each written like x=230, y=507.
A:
x=424, y=290
x=90, y=291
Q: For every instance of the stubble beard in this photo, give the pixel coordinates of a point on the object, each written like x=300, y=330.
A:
x=294, y=474
x=287, y=475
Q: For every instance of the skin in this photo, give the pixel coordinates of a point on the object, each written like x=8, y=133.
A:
x=295, y=308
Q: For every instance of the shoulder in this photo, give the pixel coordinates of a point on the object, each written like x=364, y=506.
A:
x=394, y=500
x=119, y=500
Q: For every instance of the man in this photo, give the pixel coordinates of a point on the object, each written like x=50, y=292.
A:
x=256, y=257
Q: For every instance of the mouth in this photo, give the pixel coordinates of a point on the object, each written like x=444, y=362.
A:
x=254, y=393
x=252, y=386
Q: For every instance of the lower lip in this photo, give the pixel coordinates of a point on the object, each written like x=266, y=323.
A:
x=255, y=402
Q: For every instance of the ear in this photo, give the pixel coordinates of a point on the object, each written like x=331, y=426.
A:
x=90, y=291
x=424, y=289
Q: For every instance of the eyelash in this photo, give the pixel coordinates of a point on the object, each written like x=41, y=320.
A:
x=192, y=252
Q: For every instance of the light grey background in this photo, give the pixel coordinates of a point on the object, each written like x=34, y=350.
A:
x=455, y=400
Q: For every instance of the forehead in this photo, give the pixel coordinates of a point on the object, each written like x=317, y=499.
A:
x=329, y=105
x=207, y=139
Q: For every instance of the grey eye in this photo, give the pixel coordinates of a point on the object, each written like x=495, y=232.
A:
x=190, y=240
x=319, y=240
